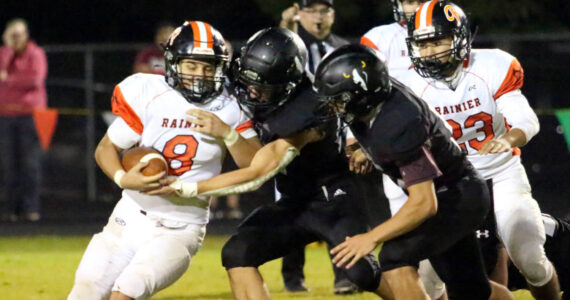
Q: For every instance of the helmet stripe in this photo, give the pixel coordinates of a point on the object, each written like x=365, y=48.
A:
x=196, y=32
x=420, y=15
x=424, y=14
x=209, y=39
x=203, y=35
x=430, y=12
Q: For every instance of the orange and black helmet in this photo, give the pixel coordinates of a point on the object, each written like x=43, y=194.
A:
x=198, y=41
x=434, y=20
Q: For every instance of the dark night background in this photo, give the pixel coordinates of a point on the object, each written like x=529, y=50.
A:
x=80, y=21
x=536, y=32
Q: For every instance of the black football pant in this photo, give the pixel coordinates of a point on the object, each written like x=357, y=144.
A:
x=274, y=230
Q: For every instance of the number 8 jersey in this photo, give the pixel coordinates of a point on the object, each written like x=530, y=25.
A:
x=152, y=114
x=484, y=105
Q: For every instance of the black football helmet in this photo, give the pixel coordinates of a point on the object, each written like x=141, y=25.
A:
x=398, y=9
x=353, y=80
x=271, y=64
x=198, y=41
x=435, y=20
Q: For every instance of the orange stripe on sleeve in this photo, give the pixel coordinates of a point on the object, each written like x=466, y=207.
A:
x=367, y=42
x=121, y=108
x=196, y=32
x=514, y=79
x=209, y=35
x=243, y=127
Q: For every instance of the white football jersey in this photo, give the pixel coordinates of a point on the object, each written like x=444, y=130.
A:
x=472, y=108
x=152, y=114
x=390, y=40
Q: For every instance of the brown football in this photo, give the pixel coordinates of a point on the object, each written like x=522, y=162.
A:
x=156, y=162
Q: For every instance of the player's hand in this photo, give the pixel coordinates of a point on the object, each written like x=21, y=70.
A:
x=135, y=180
x=359, y=162
x=495, y=146
x=3, y=75
x=291, y=14
x=314, y=134
x=353, y=249
x=208, y=123
x=164, y=189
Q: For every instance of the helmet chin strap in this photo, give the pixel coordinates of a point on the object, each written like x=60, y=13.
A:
x=453, y=80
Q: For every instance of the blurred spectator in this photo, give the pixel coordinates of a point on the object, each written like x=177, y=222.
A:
x=151, y=58
x=316, y=18
x=23, y=69
x=231, y=211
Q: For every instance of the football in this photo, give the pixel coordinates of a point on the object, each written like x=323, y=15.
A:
x=156, y=162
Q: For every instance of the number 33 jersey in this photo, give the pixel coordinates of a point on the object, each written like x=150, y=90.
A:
x=486, y=102
x=152, y=114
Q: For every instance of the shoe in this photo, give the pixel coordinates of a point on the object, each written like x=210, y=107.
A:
x=33, y=217
x=296, y=286
x=345, y=287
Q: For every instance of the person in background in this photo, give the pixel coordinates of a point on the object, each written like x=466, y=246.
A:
x=151, y=59
x=316, y=18
x=23, y=69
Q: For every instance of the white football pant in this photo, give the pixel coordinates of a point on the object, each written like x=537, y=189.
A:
x=135, y=254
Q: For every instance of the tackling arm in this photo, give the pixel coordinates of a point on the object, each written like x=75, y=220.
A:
x=421, y=205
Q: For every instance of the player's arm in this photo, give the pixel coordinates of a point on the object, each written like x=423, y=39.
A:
x=107, y=157
x=518, y=113
x=513, y=105
x=418, y=174
x=267, y=162
x=242, y=150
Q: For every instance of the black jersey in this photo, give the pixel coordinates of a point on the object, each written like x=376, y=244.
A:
x=318, y=162
x=406, y=140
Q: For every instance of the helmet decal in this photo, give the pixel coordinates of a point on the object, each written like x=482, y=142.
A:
x=359, y=80
x=451, y=14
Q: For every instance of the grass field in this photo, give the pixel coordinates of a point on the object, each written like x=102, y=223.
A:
x=43, y=267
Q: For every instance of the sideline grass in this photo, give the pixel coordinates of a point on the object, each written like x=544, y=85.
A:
x=43, y=267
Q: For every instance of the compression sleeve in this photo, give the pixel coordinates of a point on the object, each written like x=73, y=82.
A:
x=254, y=184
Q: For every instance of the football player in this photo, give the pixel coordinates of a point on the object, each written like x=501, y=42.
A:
x=390, y=39
x=320, y=197
x=478, y=93
x=556, y=247
x=191, y=118
x=406, y=140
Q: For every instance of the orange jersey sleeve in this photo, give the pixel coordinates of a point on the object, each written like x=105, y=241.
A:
x=121, y=108
x=513, y=80
x=367, y=42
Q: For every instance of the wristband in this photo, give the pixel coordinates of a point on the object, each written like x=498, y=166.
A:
x=185, y=189
x=231, y=138
x=118, y=176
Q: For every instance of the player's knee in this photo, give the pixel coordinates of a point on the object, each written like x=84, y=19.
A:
x=534, y=266
x=365, y=273
x=133, y=287
x=235, y=253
